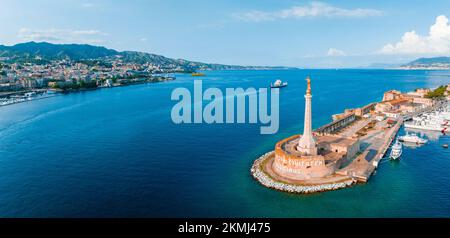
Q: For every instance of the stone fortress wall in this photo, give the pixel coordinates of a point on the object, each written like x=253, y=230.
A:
x=333, y=151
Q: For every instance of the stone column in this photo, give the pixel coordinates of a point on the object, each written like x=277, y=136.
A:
x=307, y=144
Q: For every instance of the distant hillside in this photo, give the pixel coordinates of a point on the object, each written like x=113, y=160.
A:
x=429, y=63
x=52, y=51
x=44, y=52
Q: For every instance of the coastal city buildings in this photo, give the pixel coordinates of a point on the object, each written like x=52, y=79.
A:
x=396, y=103
x=66, y=73
x=23, y=81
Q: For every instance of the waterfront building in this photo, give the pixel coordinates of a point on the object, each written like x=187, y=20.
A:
x=391, y=95
x=396, y=102
x=358, y=112
x=420, y=92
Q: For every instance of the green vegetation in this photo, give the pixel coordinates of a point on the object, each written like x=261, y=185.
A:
x=44, y=53
x=76, y=85
x=430, y=61
x=437, y=93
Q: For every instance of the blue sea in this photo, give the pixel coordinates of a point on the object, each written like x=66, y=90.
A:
x=116, y=153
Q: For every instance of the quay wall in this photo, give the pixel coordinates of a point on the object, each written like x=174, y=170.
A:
x=387, y=142
x=267, y=181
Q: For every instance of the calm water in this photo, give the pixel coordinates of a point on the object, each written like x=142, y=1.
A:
x=116, y=153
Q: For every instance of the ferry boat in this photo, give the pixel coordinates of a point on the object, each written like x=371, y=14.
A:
x=196, y=74
x=412, y=138
x=278, y=84
x=396, y=151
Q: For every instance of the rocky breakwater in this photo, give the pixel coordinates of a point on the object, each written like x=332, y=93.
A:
x=258, y=173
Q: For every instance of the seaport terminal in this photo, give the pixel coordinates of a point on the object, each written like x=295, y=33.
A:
x=349, y=149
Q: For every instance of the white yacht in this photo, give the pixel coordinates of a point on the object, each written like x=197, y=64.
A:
x=412, y=138
x=396, y=150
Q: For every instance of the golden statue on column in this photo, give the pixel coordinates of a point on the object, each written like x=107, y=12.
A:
x=307, y=144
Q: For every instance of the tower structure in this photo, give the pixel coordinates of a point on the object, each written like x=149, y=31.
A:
x=307, y=144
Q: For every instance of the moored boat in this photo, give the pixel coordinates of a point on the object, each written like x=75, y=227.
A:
x=412, y=138
x=396, y=150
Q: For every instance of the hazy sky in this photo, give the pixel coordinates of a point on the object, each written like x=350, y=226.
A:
x=317, y=34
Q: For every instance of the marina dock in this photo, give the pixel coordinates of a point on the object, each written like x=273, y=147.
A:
x=344, y=152
x=359, y=169
x=377, y=142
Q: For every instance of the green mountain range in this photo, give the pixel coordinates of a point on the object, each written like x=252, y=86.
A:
x=43, y=52
x=435, y=62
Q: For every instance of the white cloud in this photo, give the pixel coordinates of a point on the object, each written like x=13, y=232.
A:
x=313, y=9
x=86, y=32
x=437, y=42
x=335, y=52
x=62, y=36
x=143, y=39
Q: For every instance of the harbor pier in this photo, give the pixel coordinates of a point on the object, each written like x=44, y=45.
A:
x=339, y=154
x=357, y=169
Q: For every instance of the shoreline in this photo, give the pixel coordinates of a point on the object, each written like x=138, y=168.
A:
x=61, y=92
x=34, y=99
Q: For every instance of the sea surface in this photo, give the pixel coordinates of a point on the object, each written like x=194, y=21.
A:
x=116, y=153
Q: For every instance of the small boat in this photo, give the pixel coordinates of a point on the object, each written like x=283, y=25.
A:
x=445, y=146
x=278, y=84
x=396, y=150
x=30, y=94
x=196, y=74
x=412, y=138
